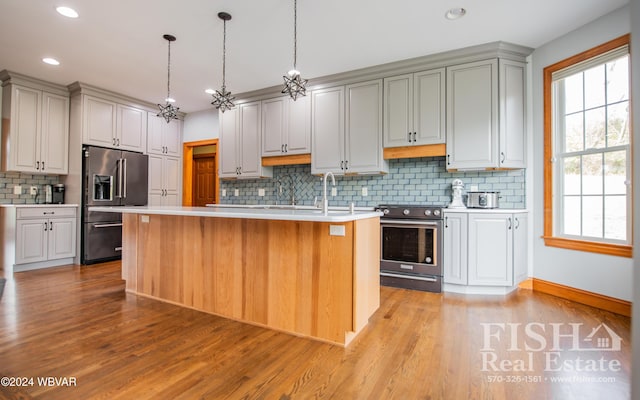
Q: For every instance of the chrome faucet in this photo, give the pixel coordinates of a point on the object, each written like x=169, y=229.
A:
x=292, y=189
x=325, y=199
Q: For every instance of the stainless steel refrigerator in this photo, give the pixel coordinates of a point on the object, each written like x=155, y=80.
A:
x=110, y=178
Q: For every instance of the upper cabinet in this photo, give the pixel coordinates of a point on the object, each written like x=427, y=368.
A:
x=414, y=109
x=286, y=126
x=240, y=142
x=163, y=138
x=486, y=115
x=35, y=138
x=110, y=124
x=347, y=129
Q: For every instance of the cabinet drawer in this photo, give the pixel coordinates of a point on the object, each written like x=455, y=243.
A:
x=46, y=212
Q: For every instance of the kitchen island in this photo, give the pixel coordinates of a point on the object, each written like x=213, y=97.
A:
x=299, y=271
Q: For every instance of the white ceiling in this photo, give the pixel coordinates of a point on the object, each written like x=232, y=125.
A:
x=118, y=44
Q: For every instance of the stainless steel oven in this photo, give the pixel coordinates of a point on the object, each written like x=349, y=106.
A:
x=411, y=247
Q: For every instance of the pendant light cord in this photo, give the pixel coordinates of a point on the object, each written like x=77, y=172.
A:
x=169, y=73
x=295, y=33
x=224, y=53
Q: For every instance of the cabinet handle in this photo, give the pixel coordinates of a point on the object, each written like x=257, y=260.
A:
x=281, y=148
x=509, y=227
x=409, y=136
x=446, y=222
x=414, y=137
x=50, y=225
x=503, y=157
x=517, y=223
x=48, y=212
x=286, y=148
x=346, y=165
x=448, y=159
x=37, y=164
x=45, y=226
x=43, y=166
x=341, y=164
x=118, y=142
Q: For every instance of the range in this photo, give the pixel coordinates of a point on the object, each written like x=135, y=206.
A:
x=411, y=238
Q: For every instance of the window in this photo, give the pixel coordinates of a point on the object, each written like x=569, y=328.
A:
x=588, y=151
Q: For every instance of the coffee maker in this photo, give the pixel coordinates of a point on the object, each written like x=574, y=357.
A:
x=54, y=194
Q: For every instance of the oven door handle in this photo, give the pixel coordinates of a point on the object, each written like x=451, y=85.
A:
x=412, y=277
x=409, y=222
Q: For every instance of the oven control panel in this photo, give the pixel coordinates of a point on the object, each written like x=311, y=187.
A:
x=410, y=212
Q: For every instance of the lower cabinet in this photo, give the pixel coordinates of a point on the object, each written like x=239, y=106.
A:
x=44, y=236
x=164, y=181
x=485, y=249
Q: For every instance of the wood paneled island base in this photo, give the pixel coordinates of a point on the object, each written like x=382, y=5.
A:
x=292, y=276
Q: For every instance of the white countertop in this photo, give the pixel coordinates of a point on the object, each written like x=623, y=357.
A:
x=38, y=205
x=486, y=210
x=253, y=212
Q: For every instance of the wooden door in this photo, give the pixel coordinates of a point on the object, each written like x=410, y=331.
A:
x=204, y=182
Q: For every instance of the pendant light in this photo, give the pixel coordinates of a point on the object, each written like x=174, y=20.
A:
x=222, y=99
x=294, y=85
x=168, y=111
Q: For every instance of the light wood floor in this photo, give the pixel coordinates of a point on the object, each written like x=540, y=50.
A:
x=77, y=322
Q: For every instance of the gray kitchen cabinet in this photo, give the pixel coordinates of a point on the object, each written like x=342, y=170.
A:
x=36, y=136
x=240, y=142
x=110, y=124
x=347, y=129
x=286, y=126
x=486, y=115
x=454, y=255
x=484, y=250
x=165, y=181
x=163, y=138
x=414, y=109
x=41, y=236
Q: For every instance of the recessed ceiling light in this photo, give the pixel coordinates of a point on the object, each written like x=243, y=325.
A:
x=50, y=61
x=67, y=12
x=455, y=13
x=209, y=91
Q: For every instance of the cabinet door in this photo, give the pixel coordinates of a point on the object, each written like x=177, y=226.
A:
x=512, y=114
x=54, y=148
x=490, y=249
x=229, y=143
x=62, y=238
x=172, y=138
x=250, y=160
x=99, y=122
x=26, y=127
x=472, y=115
x=171, y=177
x=31, y=240
x=155, y=181
x=131, y=128
x=363, y=136
x=154, y=134
x=273, y=126
x=454, y=257
x=299, y=126
x=327, y=130
x=398, y=110
x=520, y=257
x=429, y=107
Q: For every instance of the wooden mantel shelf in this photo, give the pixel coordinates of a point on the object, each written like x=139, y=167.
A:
x=292, y=276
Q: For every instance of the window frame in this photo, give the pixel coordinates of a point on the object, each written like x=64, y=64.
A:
x=601, y=247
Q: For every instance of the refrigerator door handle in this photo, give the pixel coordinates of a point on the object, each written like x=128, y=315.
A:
x=124, y=176
x=119, y=178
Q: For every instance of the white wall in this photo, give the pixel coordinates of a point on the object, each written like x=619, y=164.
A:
x=200, y=125
x=635, y=79
x=607, y=275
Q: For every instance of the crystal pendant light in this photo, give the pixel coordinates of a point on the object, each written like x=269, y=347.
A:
x=222, y=99
x=294, y=85
x=168, y=111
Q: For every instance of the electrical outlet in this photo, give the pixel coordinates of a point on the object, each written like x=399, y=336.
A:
x=236, y=192
x=365, y=191
x=17, y=189
x=261, y=192
x=334, y=191
x=224, y=192
x=33, y=190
